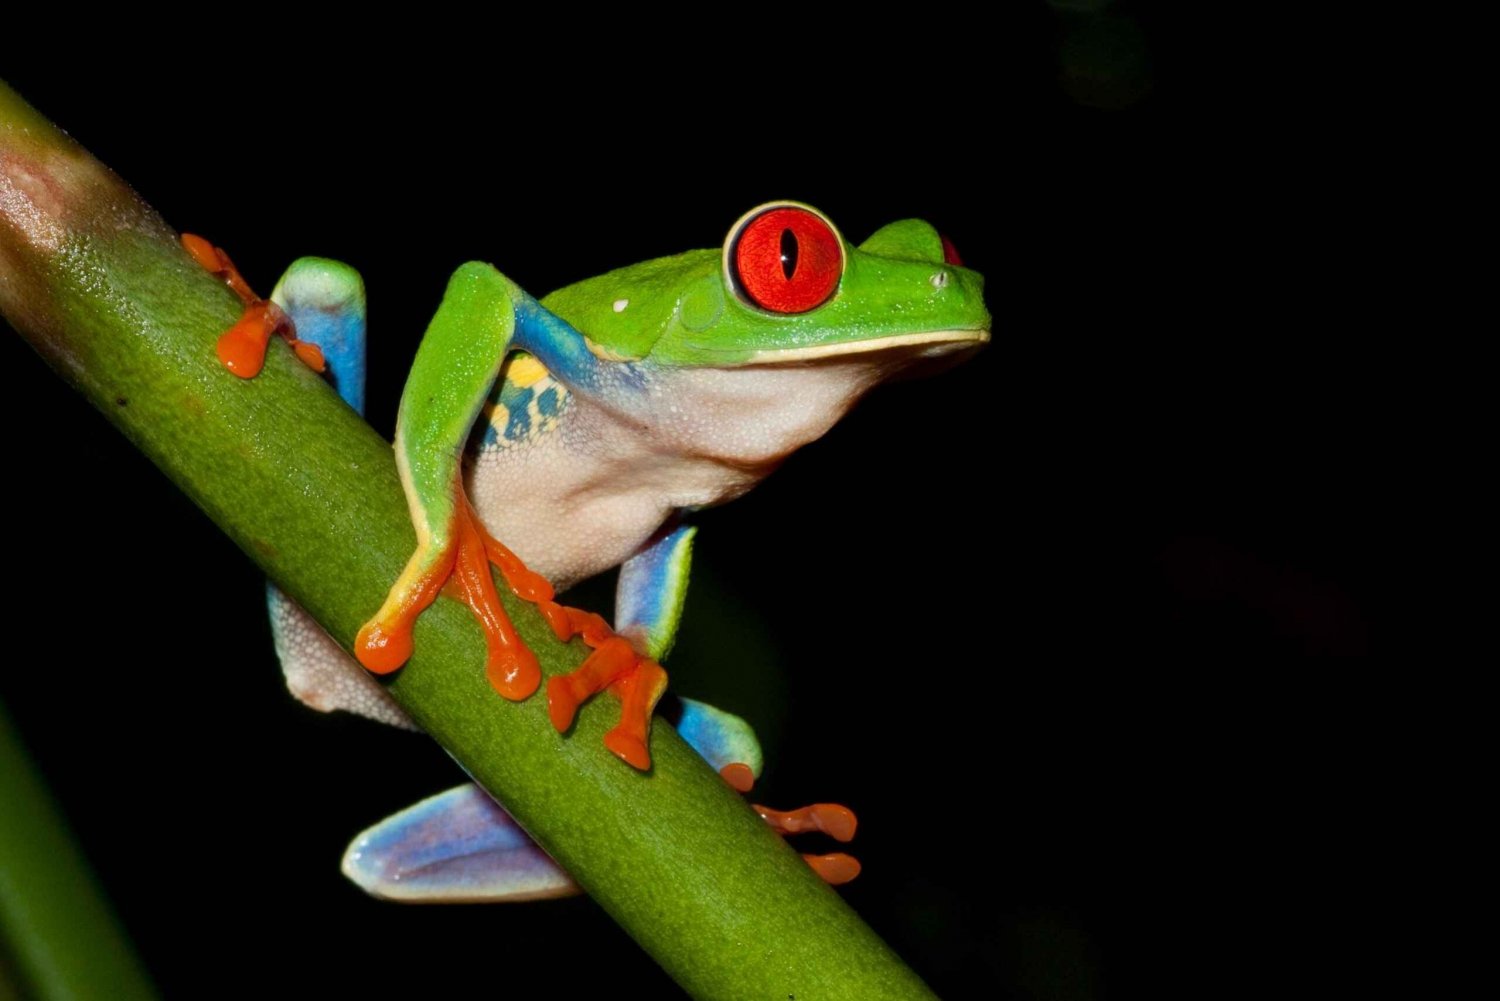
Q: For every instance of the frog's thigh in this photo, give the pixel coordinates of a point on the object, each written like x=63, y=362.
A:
x=458, y=846
x=318, y=671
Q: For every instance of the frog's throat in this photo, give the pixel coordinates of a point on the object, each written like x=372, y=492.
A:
x=940, y=338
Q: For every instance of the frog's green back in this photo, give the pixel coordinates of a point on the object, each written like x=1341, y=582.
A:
x=624, y=312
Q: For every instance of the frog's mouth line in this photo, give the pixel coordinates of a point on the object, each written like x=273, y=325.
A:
x=946, y=338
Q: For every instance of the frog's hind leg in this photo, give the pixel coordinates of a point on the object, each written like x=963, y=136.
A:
x=325, y=300
x=461, y=846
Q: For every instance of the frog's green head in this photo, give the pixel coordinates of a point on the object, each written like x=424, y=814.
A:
x=785, y=288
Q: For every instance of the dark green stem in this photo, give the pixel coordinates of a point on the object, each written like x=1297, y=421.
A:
x=98, y=284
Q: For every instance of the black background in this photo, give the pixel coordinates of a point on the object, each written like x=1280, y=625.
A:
x=1053, y=622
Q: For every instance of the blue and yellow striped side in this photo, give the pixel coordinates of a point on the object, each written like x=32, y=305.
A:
x=527, y=402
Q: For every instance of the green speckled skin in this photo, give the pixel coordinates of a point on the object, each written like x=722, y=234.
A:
x=466, y=343
x=284, y=467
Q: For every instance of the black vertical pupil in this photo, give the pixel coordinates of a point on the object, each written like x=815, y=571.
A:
x=788, y=253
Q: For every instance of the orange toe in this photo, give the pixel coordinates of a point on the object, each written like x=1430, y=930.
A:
x=739, y=776
x=517, y=676
x=380, y=650
x=562, y=704
x=836, y=869
x=628, y=747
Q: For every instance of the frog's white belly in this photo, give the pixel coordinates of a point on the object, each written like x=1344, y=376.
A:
x=587, y=494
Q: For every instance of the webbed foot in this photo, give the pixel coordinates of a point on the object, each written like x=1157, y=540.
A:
x=838, y=822
x=462, y=563
x=616, y=664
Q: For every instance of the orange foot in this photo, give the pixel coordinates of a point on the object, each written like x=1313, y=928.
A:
x=385, y=643
x=463, y=569
x=615, y=664
x=242, y=348
x=838, y=822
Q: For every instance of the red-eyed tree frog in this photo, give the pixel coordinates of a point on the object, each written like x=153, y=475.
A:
x=583, y=429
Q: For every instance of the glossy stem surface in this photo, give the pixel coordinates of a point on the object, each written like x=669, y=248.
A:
x=100, y=286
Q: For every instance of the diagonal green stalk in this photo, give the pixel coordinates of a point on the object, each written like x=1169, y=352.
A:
x=96, y=281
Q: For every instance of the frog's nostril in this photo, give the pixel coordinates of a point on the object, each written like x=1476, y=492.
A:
x=950, y=252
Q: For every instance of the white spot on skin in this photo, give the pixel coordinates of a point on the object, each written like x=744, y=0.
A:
x=620, y=305
x=940, y=280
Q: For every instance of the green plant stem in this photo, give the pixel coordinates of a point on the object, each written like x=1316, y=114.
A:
x=57, y=933
x=99, y=285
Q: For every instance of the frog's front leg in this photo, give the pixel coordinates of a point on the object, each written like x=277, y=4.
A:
x=457, y=363
x=483, y=317
x=242, y=348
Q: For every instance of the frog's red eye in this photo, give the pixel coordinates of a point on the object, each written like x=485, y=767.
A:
x=786, y=259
